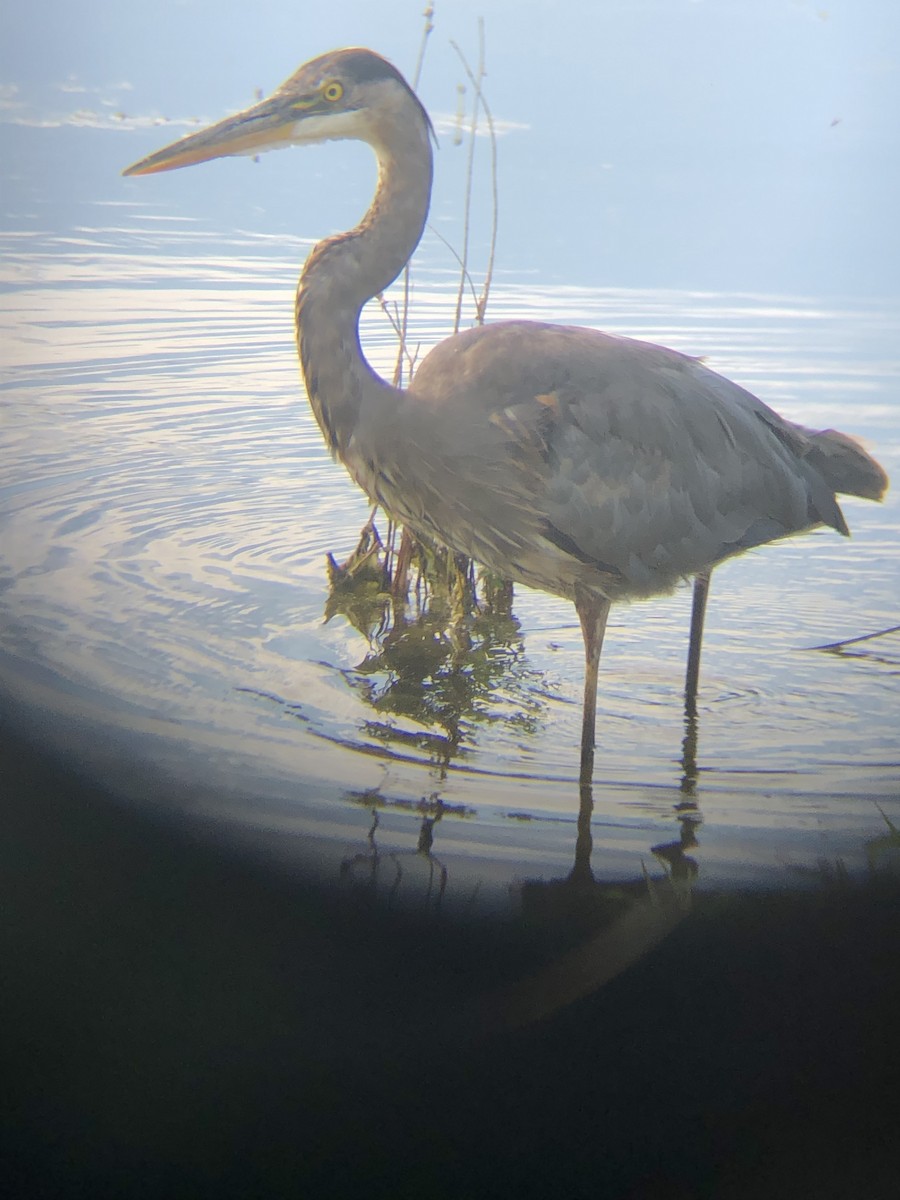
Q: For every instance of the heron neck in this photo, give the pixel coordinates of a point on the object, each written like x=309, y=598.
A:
x=346, y=271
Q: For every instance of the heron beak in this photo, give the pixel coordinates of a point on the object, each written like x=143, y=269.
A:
x=266, y=126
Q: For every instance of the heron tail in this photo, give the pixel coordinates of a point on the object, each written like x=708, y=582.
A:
x=845, y=465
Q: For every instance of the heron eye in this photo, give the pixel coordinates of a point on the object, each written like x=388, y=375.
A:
x=333, y=91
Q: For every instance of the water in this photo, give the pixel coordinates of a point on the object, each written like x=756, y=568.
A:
x=167, y=507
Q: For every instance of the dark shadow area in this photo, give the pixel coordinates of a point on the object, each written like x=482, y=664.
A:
x=181, y=1018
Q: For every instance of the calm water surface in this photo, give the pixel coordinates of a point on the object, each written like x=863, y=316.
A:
x=167, y=506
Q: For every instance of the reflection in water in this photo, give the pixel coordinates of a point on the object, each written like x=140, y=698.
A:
x=884, y=852
x=576, y=933
x=365, y=871
x=682, y=869
x=689, y=755
x=592, y=929
x=439, y=665
x=435, y=660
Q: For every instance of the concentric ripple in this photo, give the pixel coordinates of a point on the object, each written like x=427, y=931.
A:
x=167, y=506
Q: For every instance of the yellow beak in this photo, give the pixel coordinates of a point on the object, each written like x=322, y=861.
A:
x=266, y=126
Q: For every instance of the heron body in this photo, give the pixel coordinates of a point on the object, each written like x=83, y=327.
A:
x=598, y=463
x=596, y=467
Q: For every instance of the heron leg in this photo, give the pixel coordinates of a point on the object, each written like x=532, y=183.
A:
x=593, y=612
x=400, y=582
x=698, y=615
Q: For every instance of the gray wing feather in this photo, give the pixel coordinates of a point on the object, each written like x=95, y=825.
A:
x=570, y=442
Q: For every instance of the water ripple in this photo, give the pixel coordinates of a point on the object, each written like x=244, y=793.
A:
x=167, y=506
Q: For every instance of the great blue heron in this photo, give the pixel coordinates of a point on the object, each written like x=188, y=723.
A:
x=595, y=467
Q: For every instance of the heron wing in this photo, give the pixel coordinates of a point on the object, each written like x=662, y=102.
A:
x=624, y=454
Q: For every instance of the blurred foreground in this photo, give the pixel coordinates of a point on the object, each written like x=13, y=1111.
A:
x=184, y=1018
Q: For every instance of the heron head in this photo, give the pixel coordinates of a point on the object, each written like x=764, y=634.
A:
x=351, y=93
